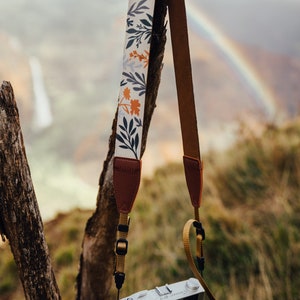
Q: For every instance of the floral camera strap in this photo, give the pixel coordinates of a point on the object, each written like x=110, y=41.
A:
x=130, y=118
x=134, y=78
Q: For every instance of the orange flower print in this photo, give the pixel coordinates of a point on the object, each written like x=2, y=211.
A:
x=135, y=107
x=126, y=93
x=141, y=57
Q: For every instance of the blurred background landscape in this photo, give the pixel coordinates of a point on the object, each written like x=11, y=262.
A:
x=63, y=59
x=246, y=64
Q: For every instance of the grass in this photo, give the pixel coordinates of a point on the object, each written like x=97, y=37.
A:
x=251, y=213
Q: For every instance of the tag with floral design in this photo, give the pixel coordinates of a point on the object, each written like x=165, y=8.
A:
x=134, y=78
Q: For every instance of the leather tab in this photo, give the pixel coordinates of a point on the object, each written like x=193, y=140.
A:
x=194, y=179
x=126, y=178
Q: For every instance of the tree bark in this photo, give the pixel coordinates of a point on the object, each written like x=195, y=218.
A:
x=97, y=259
x=20, y=220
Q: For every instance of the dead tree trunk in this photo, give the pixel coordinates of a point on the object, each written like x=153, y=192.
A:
x=97, y=258
x=20, y=219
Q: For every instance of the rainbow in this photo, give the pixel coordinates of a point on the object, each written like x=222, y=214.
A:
x=265, y=98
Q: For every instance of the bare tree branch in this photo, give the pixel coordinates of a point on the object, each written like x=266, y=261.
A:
x=20, y=219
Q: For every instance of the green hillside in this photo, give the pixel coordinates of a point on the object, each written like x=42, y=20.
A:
x=251, y=213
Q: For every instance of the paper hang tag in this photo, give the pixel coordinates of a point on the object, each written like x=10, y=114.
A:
x=131, y=100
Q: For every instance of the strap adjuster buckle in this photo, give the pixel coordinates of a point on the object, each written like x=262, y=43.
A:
x=123, y=227
x=121, y=246
x=199, y=229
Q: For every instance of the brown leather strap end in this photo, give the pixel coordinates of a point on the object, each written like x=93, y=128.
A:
x=126, y=178
x=194, y=179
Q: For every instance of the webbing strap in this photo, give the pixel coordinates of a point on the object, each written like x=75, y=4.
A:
x=186, y=243
x=121, y=250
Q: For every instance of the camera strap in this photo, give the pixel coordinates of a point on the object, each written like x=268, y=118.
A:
x=127, y=162
x=193, y=166
x=130, y=117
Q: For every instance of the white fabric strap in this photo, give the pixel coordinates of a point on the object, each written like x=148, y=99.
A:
x=131, y=100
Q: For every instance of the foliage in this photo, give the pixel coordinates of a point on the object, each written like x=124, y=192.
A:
x=250, y=211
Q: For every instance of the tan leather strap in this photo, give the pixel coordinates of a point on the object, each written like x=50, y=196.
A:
x=186, y=102
x=183, y=75
x=186, y=243
x=193, y=166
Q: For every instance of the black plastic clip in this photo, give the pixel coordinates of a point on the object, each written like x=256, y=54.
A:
x=199, y=229
x=200, y=262
x=121, y=246
x=119, y=279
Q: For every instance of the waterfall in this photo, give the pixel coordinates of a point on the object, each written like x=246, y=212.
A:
x=42, y=111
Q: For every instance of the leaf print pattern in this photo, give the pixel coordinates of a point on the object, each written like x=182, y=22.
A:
x=138, y=81
x=138, y=122
x=134, y=78
x=128, y=137
x=137, y=8
x=142, y=31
